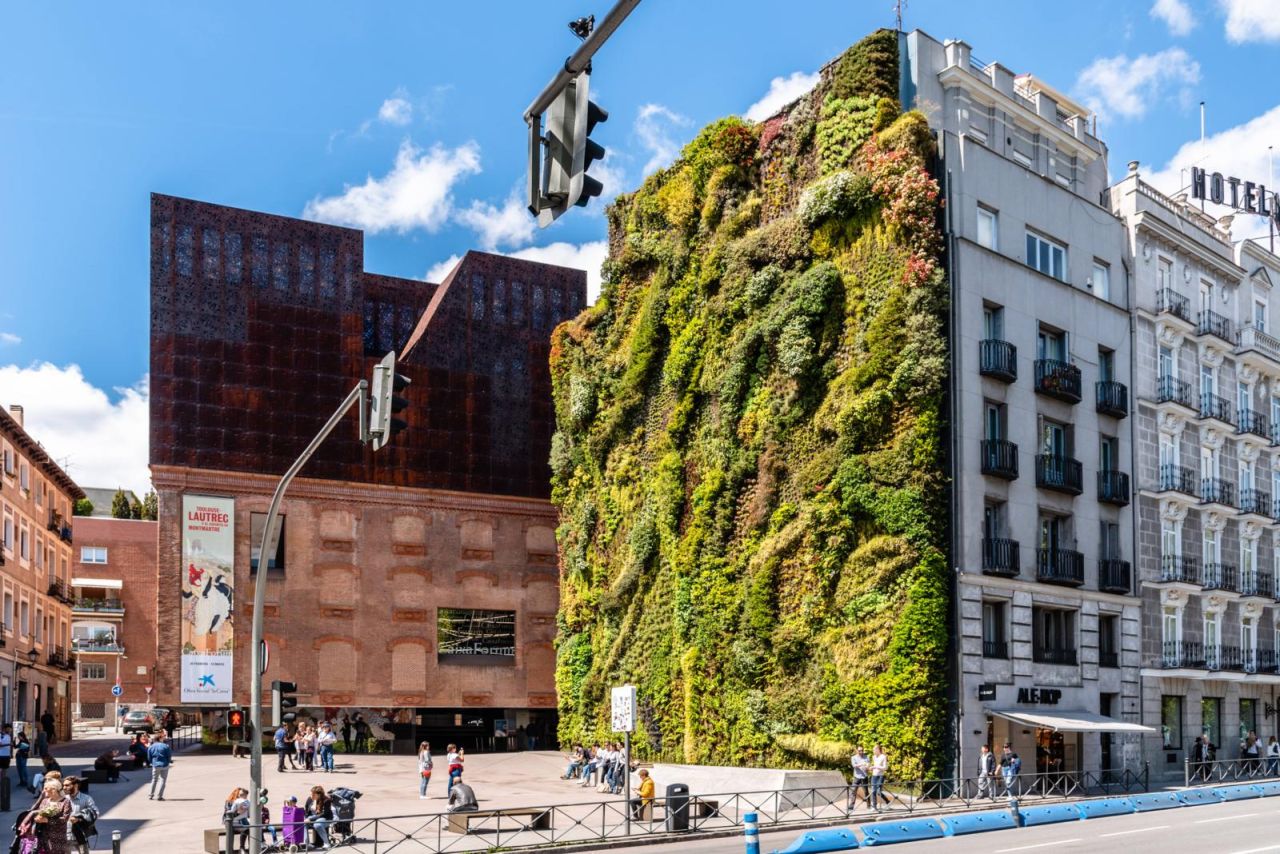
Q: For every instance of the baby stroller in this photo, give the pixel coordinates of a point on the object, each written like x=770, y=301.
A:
x=344, y=813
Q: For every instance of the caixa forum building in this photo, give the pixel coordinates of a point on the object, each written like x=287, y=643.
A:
x=417, y=586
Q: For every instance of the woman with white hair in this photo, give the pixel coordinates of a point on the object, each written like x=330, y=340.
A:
x=44, y=829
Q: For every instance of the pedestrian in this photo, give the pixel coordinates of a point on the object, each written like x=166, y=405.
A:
x=642, y=806
x=41, y=746
x=462, y=798
x=22, y=752
x=424, y=769
x=319, y=811
x=454, y=761
x=1010, y=767
x=291, y=746
x=170, y=723
x=44, y=829
x=236, y=808
x=1252, y=753
x=6, y=749
x=325, y=741
x=161, y=757
x=879, y=768
x=1273, y=757
x=49, y=769
x=861, y=771
x=84, y=815
x=49, y=726
x=986, y=771
x=346, y=732
x=281, y=741
x=362, y=734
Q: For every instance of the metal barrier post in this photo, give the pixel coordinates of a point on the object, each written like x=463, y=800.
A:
x=751, y=830
x=231, y=835
x=115, y=842
x=4, y=792
x=1186, y=772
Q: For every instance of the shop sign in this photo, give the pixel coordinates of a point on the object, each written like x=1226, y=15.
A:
x=1039, y=696
x=986, y=691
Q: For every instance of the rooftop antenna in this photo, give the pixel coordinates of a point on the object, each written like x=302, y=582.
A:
x=1202, y=144
x=1271, y=182
x=898, y=7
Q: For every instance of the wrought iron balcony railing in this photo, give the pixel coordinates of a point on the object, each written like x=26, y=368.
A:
x=998, y=359
x=1113, y=487
x=1060, y=566
x=1112, y=398
x=1059, y=473
x=1000, y=458
x=1114, y=575
x=1000, y=557
x=1169, y=301
x=1173, y=390
x=1058, y=379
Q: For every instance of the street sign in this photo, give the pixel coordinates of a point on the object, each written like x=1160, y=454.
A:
x=624, y=709
x=116, y=690
x=148, y=690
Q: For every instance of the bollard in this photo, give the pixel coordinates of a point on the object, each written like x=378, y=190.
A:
x=115, y=842
x=751, y=830
x=231, y=835
x=4, y=792
x=1013, y=811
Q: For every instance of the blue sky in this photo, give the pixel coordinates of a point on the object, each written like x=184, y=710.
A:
x=285, y=106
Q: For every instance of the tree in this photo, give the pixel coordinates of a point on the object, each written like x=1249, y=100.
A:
x=120, y=505
x=84, y=507
x=150, y=506
x=135, y=509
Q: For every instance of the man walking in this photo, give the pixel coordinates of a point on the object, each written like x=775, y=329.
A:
x=861, y=771
x=986, y=770
x=161, y=757
x=282, y=746
x=1010, y=765
x=324, y=744
x=47, y=723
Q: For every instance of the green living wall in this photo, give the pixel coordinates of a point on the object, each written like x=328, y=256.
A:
x=748, y=460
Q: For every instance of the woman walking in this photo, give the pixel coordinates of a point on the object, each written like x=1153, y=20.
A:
x=424, y=769
x=44, y=830
x=879, y=768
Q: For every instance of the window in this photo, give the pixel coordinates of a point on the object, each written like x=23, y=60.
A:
x=186, y=250
x=517, y=303
x=1211, y=551
x=1260, y=315
x=1055, y=532
x=24, y=545
x=1248, y=560
x=1108, y=640
x=470, y=636
x=280, y=266
x=993, y=323
x=988, y=232
x=1051, y=344
x=24, y=476
x=1101, y=280
x=1246, y=476
x=233, y=256
x=1170, y=539
x=1206, y=295
x=1242, y=398
x=8, y=533
x=1167, y=363
x=8, y=461
x=1208, y=463
x=1108, y=540
x=1108, y=453
x=993, y=637
x=93, y=672
x=1212, y=640
x=1055, y=635
x=24, y=619
x=1211, y=720
x=1106, y=365
x=1171, y=721
x=39, y=493
x=39, y=554
x=993, y=521
x=8, y=612
x=306, y=270
x=39, y=625
x=1055, y=438
x=1046, y=256
x=477, y=297
x=257, y=525
x=994, y=423
x=1171, y=626
x=1248, y=717
x=1248, y=638
x=211, y=245
x=93, y=554
x=1208, y=381
x=1164, y=274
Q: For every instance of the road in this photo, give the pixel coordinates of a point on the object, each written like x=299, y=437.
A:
x=1238, y=827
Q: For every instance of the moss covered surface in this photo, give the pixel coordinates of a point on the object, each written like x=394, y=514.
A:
x=748, y=457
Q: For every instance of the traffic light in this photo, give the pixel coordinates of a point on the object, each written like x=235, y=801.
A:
x=386, y=402
x=282, y=698
x=235, y=726
x=570, y=151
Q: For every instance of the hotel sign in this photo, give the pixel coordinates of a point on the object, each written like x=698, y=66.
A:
x=1245, y=196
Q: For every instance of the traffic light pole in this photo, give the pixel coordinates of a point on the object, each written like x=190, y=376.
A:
x=269, y=534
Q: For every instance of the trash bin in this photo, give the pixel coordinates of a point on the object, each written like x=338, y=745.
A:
x=678, y=806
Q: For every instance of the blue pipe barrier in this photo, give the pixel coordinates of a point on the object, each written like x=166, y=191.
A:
x=1237, y=793
x=978, y=822
x=751, y=832
x=1050, y=814
x=1155, y=801
x=911, y=830
x=1196, y=797
x=1268, y=790
x=1105, y=806
x=816, y=841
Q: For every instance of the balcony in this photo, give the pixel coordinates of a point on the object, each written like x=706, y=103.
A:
x=55, y=521
x=1259, y=585
x=1113, y=487
x=1253, y=425
x=1169, y=301
x=1173, y=390
x=1114, y=575
x=1108, y=658
x=1000, y=557
x=59, y=590
x=1217, y=407
x=97, y=644
x=1060, y=566
x=1179, y=569
x=1059, y=473
x=98, y=606
x=998, y=359
x=1178, y=479
x=995, y=649
x=1112, y=398
x=1216, y=490
x=1263, y=660
x=65, y=533
x=1059, y=380
x=1180, y=654
x=1211, y=323
x=1220, y=576
x=1223, y=657
x=1255, y=501
x=1250, y=341
x=57, y=657
x=1000, y=458
x=1053, y=655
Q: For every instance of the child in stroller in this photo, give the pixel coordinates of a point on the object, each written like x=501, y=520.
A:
x=343, y=801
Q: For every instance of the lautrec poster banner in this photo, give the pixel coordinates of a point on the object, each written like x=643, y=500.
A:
x=208, y=598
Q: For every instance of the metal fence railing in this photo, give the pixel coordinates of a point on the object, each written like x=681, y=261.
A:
x=539, y=826
x=1228, y=770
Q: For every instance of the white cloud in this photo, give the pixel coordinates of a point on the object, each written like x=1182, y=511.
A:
x=416, y=193
x=10, y=338
x=579, y=256
x=782, y=91
x=1235, y=151
x=1176, y=15
x=397, y=110
x=1127, y=88
x=654, y=126
x=97, y=440
x=1252, y=20
x=509, y=225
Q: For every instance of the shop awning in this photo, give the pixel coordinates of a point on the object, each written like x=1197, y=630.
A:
x=1070, y=720
x=105, y=583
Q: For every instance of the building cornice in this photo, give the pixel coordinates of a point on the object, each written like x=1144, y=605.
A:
x=1150, y=221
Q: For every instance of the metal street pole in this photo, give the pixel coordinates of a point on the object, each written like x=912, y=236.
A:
x=575, y=64
x=357, y=396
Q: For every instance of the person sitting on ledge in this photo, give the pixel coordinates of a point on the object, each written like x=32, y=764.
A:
x=107, y=762
x=462, y=798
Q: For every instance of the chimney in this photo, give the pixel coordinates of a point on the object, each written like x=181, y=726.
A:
x=15, y=410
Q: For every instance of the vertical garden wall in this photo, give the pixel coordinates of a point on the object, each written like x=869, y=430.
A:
x=749, y=454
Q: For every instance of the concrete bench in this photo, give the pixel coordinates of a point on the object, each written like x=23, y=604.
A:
x=538, y=818
x=215, y=840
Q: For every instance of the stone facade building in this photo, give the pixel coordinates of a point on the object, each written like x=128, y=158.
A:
x=419, y=584
x=1047, y=621
x=36, y=500
x=1207, y=365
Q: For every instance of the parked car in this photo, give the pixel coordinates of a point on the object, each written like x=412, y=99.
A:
x=142, y=720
